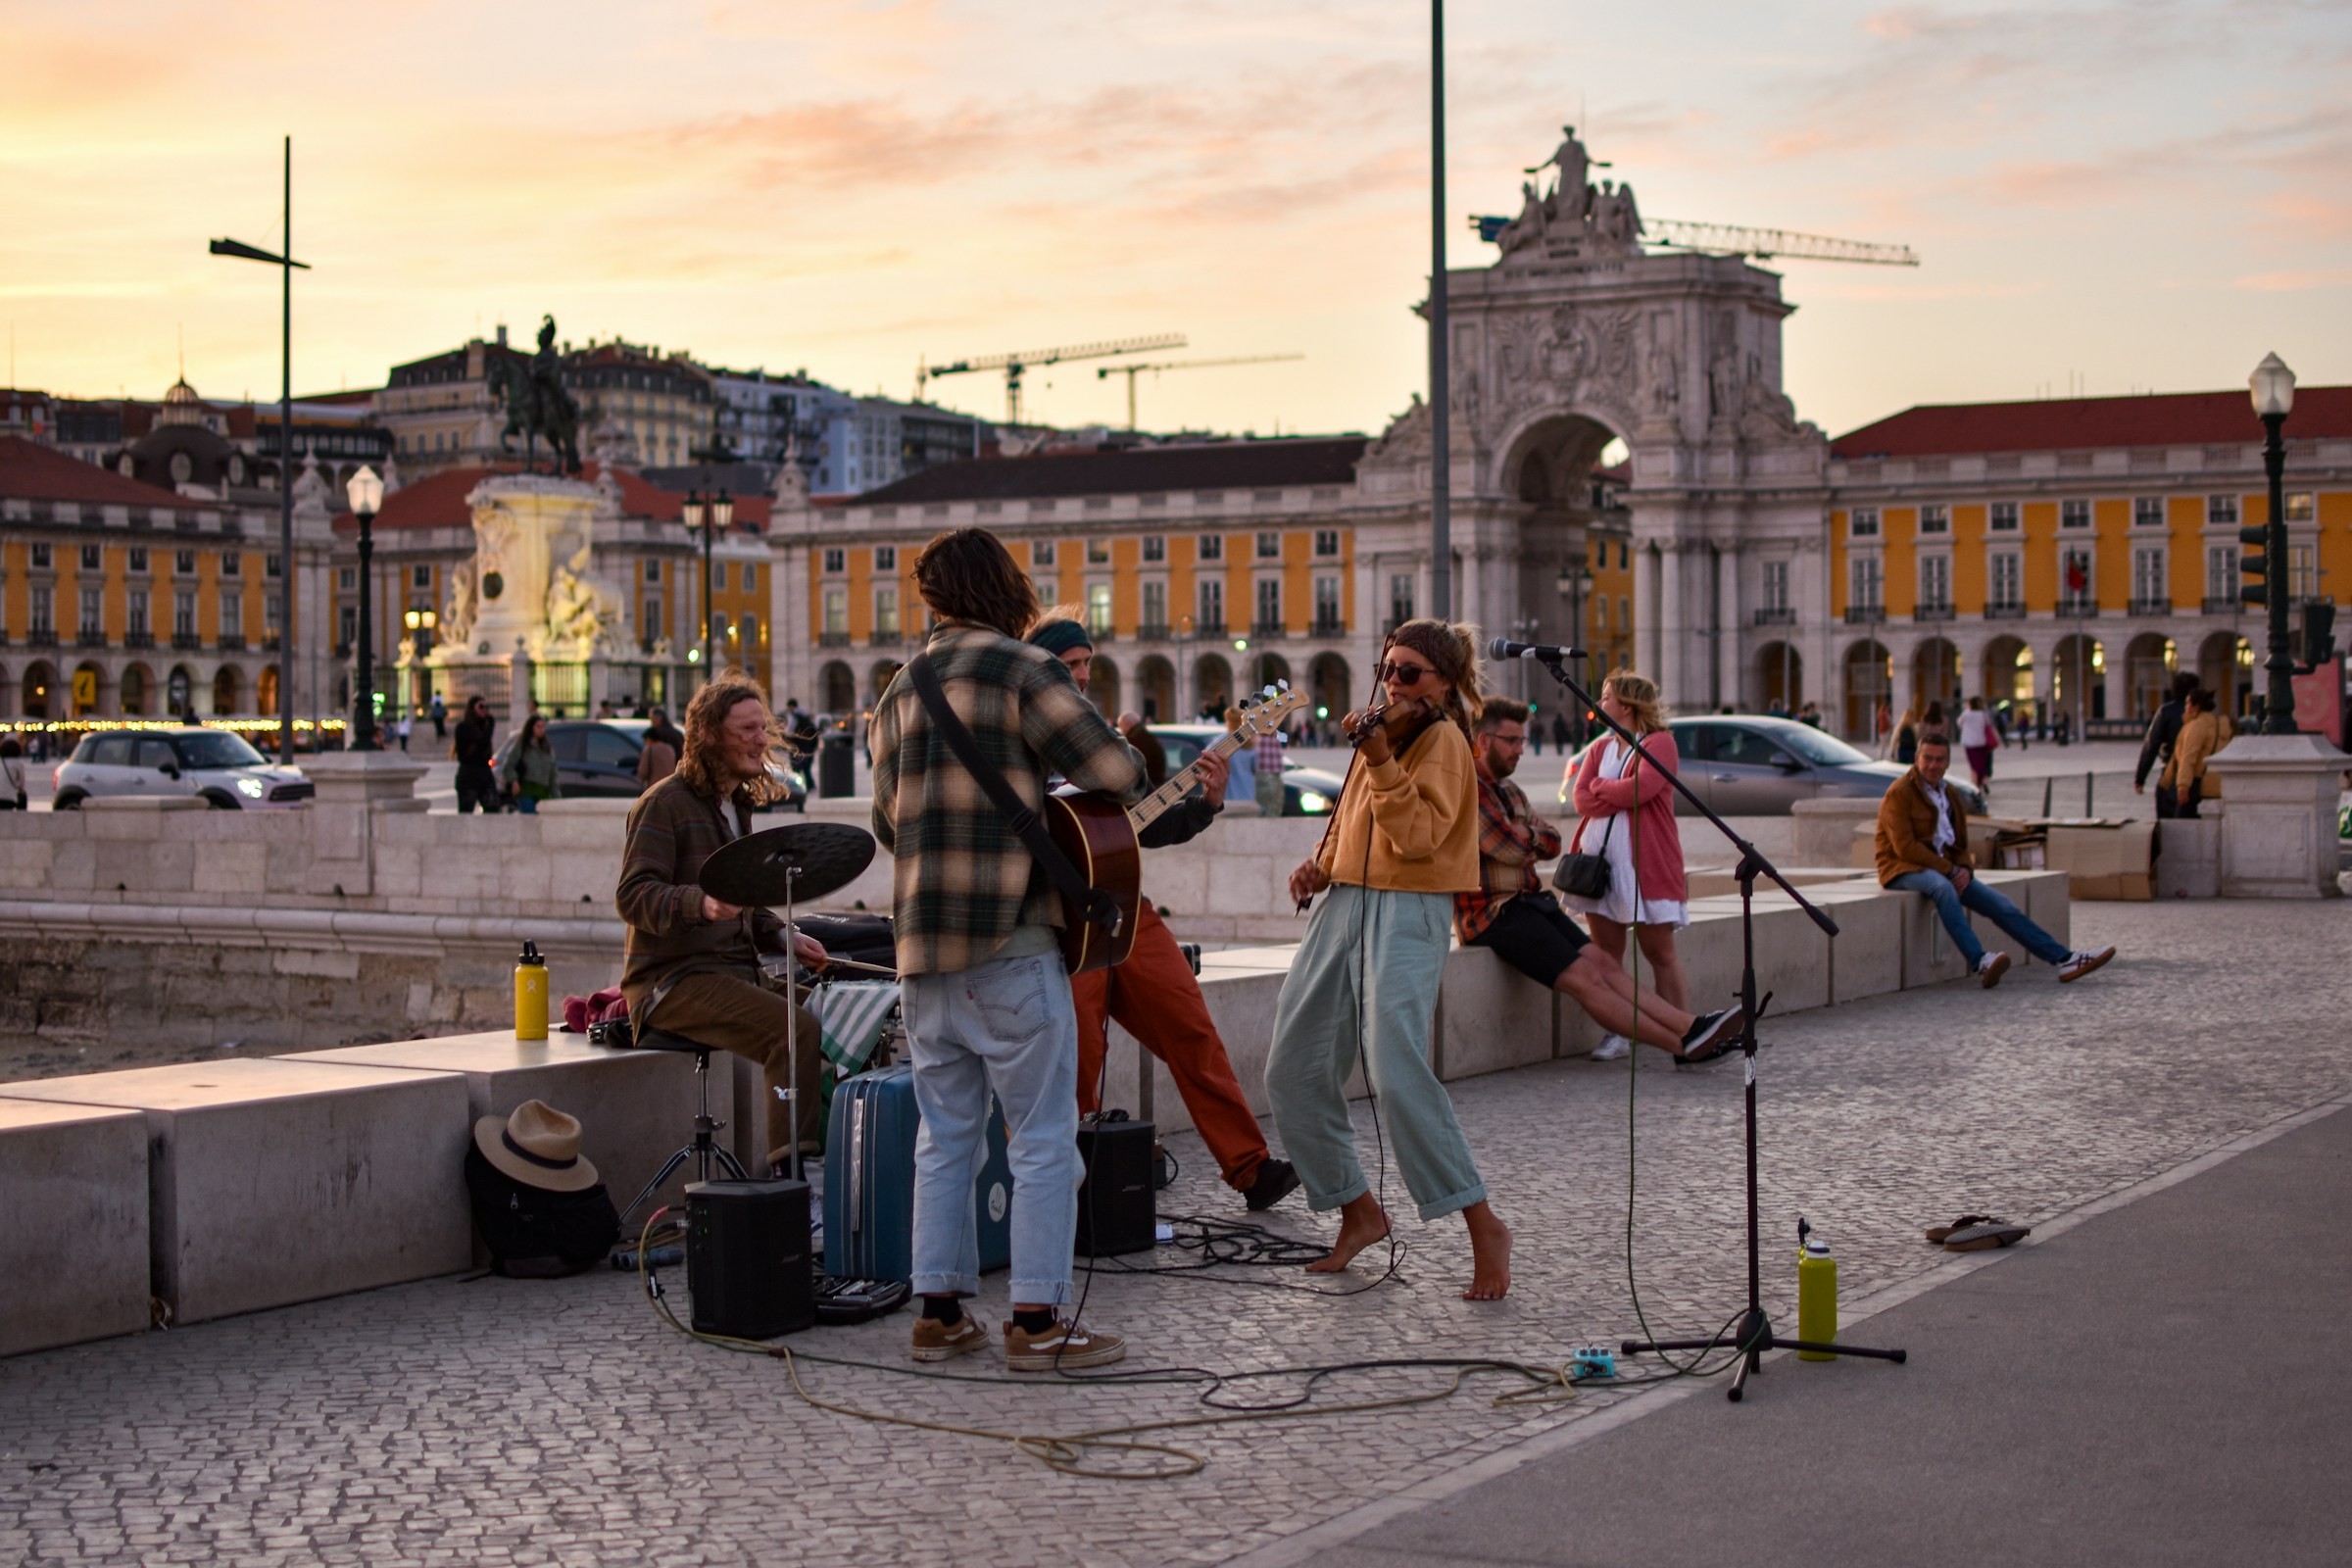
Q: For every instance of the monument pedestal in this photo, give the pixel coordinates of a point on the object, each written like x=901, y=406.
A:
x=353, y=786
x=2278, y=796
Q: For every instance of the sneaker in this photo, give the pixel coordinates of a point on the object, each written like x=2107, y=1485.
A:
x=1990, y=968
x=2081, y=963
x=1059, y=1348
x=1276, y=1180
x=935, y=1341
x=1612, y=1047
x=1712, y=1034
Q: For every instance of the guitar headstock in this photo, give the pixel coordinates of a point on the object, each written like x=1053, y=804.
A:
x=1264, y=712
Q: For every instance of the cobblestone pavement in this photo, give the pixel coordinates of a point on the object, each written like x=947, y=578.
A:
x=514, y=1422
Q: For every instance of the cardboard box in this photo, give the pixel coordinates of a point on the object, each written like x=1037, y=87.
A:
x=2103, y=857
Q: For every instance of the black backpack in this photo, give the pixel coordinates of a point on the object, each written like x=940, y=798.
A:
x=534, y=1234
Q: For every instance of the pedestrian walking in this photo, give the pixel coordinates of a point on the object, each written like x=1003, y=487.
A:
x=2204, y=732
x=12, y=776
x=1267, y=782
x=1625, y=813
x=474, y=748
x=531, y=771
x=440, y=713
x=1978, y=739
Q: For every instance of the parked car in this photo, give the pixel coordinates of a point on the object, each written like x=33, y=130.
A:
x=211, y=764
x=596, y=758
x=1752, y=765
x=1306, y=791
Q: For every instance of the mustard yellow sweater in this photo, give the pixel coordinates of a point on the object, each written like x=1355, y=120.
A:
x=1414, y=817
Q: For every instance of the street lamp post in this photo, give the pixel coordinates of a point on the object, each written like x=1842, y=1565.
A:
x=366, y=493
x=2274, y=387
x=286, y=263
x=421, y=624
x=712, y=515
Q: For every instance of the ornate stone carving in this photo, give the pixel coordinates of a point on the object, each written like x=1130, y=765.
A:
x=1407, y=438
x=1574, y=218
x=1566, y=356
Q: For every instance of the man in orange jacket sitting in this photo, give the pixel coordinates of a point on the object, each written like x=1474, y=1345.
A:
x=1923, y=848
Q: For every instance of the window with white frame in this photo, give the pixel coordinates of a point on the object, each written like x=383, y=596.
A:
x=649, y=618
x=232, y=613
x=42, y=610
x=748, y=629
x=1867, y=582
x=1212, y=547
x=1327, y=603
x=184, y=561
x=837, y=612
x=1400, y=598
x=134, y=612
x=2301, y=505
x=91, y=610
x=1625, y=613
x=1097, y=552
x=2008, y=576
x=2221, y=574
x=886, y=612
x=1041, y=551
x=836, y=562
x=138, y=558
x=2075, y=514
x=2147, y=511
x=1865, y=524
x=2078, y=587
x=1269, y=603
x=1600, y=611
x=750, y=577
x=1213, y=603
x=40, y=557
x=2222, y=509
x=1936, y=518
x=652, y=571
x=1049, y=587
x=349, y=621
x=1776, y=585
x=421, y=577
x=2002, y=517
x=1155, y=549
x=1934, y=582
x=92, y=555
x=2302, y=579
x=232, y=565
x=886, y=559
x=1269, y=547
x=1327, y=543
x=719, y=576
x=1098, y=608
x=2148, y=585
x=1156, y=606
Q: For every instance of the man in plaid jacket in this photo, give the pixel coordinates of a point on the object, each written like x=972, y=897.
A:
x=984, y=995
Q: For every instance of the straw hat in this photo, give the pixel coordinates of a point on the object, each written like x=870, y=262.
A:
x=538, y=1145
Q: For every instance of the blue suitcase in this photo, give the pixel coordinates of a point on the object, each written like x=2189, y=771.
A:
x=870, y=1180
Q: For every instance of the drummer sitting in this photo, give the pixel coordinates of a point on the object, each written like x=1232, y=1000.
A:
x=693, y=966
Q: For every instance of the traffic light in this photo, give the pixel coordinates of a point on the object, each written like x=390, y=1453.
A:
x=2319, y=632
x=2254, y=563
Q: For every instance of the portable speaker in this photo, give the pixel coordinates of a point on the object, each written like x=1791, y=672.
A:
x=1116, y=1212
x=747, y=1258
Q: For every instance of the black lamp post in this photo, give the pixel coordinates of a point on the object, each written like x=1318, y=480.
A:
x=285, y=265
x=366, y=493
x=2273, y=388
x=713, y=517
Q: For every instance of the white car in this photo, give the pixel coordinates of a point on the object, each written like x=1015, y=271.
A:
x=211, y=764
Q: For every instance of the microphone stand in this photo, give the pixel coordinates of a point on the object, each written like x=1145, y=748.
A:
x=1756, y=1334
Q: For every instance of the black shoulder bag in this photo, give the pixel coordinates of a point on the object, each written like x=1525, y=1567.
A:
x=1099, y=908
x=1583, y=876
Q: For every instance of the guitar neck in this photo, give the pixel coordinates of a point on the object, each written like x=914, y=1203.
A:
x=1143, y=812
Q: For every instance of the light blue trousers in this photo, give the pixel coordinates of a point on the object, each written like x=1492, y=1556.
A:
x=1008, y=1025
x=1366, y=978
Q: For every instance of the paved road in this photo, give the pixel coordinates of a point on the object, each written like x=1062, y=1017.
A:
x=520, y=1422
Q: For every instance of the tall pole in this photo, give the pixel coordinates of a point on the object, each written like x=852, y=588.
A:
x=2279, y=703
x=1441, y=431
x=286, y=475
x=706, y=643
x=362, y=718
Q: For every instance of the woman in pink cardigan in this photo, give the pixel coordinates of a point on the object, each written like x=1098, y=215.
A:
x=1625, y=811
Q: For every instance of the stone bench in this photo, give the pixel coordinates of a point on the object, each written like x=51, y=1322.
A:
x=635, y=1106
x=74, y=1232
x=271, y=1182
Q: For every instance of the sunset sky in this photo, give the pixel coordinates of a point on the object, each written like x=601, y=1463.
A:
x=2107, y=197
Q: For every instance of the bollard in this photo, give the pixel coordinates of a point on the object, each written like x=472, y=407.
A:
x=2087, y=778
x=2046, y=784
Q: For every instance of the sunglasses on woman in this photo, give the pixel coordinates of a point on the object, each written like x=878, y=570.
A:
x=1401, y=675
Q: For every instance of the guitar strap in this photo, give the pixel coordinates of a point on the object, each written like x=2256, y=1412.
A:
x=1099, y=908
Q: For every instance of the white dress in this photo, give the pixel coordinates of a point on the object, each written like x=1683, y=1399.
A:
x=1618, y=906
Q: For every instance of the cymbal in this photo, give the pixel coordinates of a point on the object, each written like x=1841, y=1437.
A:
x=752, y=871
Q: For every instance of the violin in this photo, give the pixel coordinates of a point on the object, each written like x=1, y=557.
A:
x=1397, y=724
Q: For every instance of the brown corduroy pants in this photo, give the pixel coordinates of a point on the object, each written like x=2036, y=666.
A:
x=749, y=1019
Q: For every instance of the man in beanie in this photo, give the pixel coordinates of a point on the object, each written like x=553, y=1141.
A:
x=1155, y=994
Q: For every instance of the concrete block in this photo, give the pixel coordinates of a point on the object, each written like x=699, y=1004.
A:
x=1929, y=956
x=2048, y=897
x=1489, y=1017
x=273, y=1181
x=635, y=1106
x=2188, y=858
x=1241, y=1006
x=73, y=1232
x=1824, y=829
x=1866, y=957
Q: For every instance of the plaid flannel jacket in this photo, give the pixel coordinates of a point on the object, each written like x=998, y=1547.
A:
x=671, y=832
x=1511, y=839
x=962, y=879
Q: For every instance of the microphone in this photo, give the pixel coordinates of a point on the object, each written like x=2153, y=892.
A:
x=1505, y=648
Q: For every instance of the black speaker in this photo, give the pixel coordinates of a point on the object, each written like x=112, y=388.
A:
x=747, y=1258
x=1115, y=1208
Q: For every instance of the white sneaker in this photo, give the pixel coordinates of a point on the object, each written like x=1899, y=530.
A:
x=2081, y=963
x=1612, y=1047
x=1990, y=968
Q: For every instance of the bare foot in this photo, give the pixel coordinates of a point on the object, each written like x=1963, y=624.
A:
x=1489, y=1255
x=1361, y=1223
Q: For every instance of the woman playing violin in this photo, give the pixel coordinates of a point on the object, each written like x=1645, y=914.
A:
x=1402, y=843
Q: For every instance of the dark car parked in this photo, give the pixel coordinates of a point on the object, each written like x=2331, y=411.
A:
x=597, y=759
x=1306, y=791
x=1752, y=765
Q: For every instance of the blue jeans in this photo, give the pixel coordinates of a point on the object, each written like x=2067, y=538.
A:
x=1950, y=902
x=1009, y=1025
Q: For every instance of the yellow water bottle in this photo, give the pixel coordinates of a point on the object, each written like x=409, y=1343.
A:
x=530, y=993
x=1816, y=1294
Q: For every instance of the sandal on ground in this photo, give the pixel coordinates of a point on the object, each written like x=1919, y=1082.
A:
x=1985, y=1237
x=1936, y=1233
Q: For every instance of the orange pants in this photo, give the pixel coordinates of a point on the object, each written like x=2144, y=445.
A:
x=1156, y=998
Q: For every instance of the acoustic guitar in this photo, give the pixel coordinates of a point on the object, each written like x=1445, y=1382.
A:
x=1101, y=836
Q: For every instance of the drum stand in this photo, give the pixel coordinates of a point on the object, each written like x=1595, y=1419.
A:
x=791, y=1091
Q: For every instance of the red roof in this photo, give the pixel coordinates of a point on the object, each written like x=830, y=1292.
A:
x=2073, y=425
x=1202, y=465
x=29, y=472
x=439, y=501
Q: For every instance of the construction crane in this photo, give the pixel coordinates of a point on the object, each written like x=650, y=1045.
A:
x=1764, y=244
x=1013, y=364
x=1131, y=371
